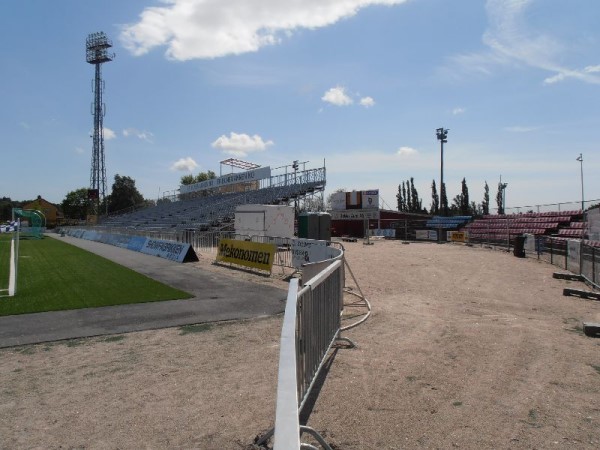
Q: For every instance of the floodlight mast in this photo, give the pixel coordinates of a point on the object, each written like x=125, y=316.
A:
x=442, y=136
x=96, y=53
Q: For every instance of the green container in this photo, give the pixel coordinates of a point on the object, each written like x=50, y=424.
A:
x=303, y=225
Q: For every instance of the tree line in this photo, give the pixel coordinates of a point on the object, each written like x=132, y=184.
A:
x=408, y=200
x=124, y=194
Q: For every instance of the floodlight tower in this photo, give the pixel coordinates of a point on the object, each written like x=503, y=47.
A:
x=96, y=53
x=442, y=136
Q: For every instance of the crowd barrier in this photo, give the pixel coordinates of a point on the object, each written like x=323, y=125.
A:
x=578, y=256
x=311, y=326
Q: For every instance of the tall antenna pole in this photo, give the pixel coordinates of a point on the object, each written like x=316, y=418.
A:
x=96, y=53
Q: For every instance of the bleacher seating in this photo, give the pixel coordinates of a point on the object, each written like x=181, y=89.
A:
x=209, y=211
x=501, y=227
x=575, y=230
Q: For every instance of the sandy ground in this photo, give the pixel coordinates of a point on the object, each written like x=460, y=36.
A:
x=466, y=348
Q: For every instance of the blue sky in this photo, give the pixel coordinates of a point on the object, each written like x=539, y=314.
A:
x=361, y=84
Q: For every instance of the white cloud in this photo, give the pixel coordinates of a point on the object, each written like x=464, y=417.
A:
x=457, y=111
x=109, y=134
x=143, y=135
x=367, y=102
x=194, y=29
x=337, y=96
x=184, y=165
x=241, y=144
x=79, y=150
x=512, y=41
x=407, y=151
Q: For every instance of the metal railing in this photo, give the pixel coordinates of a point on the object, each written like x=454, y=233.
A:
x=311, y=325
x=578, y=256
x=563, y=206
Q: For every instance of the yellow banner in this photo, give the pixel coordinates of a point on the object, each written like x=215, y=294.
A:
x=458, y=236
x=245, y=253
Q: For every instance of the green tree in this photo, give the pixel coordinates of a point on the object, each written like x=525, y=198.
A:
x=415, y=201
x=75, y=204
x=444, y=200
x=202, y=176
x=500, y=198
x=435, y=199
x=187, y=179
x=124, y=194
x=400, y=199
x=465, y=206
x=485, y=205
x=456, y=204
x=6, y=206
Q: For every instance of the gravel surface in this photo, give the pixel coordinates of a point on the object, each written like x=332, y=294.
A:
x=467, y=347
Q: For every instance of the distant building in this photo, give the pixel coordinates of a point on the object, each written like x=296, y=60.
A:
x=52, y=212
x=357, y=213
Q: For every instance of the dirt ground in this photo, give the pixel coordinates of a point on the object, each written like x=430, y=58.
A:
x=466, y=347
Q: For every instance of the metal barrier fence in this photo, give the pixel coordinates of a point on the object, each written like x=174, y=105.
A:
x=283, y=257
x=590, y=264
x=311, y=325
x=579, y=257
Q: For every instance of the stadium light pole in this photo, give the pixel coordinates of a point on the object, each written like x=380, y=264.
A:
x=442, y=136
x=503, y=187
x=96, y=53
x=580, y=159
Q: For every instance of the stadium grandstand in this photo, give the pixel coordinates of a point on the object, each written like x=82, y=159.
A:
x=566, y=224
x=211, y=204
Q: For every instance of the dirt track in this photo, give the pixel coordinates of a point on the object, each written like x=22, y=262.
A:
x=466, y=347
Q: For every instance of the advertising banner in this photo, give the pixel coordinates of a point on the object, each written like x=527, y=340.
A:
x=175, y=251
x=386, y=232
x=426, y=235
x=246, y=253
x=370, y=199
x=458, y=236
x=310, y=250
x=354, y=214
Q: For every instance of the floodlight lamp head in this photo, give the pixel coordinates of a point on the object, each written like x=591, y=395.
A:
x=442, y=134
x=96, y=48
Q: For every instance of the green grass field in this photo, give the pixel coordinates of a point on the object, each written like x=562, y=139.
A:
x=56, y=276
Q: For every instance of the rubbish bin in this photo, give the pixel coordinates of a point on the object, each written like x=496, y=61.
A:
x=519, y=245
